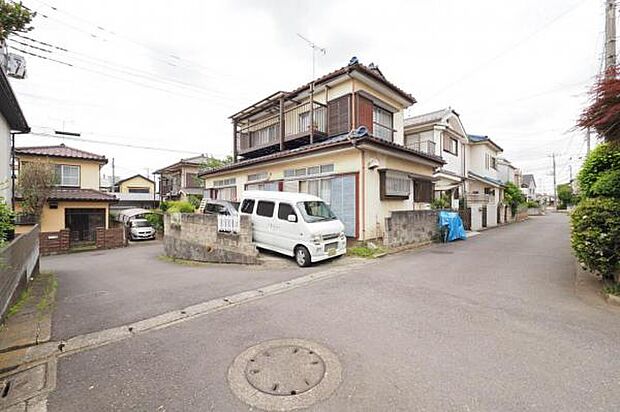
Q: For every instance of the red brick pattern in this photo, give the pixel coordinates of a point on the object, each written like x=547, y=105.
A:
x=51, y=243
x=110, y=238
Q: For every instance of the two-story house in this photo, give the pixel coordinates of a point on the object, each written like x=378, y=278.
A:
x=442, y=134
x=528, y=186
x=180, y=179
x=75, y=202
x=301, y=141
x=507, y=172
x=11, y=121
x=135, y=191
x=485, y=189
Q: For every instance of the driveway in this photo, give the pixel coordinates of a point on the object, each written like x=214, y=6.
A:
x=102, y=289
x=493, y=323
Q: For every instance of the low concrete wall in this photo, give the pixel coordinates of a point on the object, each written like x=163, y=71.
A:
x=19, y=261
x=194, y=236
x=409, y=227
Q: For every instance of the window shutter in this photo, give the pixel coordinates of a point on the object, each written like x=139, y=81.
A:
x=364, y=112
x=423, y=191
x=338, y=111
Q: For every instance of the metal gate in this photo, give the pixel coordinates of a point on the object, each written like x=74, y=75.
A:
x=465, y=215
x=484, y=215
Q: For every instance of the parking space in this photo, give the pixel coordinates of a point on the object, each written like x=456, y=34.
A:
x=102, y=289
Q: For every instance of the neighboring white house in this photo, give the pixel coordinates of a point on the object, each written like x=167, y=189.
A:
x=528, y=186
x=441, y=133
x=485, y=188
x=11, y=121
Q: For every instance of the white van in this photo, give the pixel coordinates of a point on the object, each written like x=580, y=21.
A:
x=294, y=224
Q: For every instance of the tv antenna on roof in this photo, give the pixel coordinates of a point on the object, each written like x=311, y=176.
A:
x=315, y=48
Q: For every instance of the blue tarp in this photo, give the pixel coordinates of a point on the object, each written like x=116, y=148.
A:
x=451, y=226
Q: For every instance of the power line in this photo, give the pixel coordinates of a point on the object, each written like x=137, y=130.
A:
x=506, y=50
x=131, y=146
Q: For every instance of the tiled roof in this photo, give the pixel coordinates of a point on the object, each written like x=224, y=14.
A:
x=81, y=194
x=529, y=178
x=332, y=142
x=132, y=177
x=190, y=161
x=431, y=117
x=59, y=151
x=475, y=138
x=373, y=72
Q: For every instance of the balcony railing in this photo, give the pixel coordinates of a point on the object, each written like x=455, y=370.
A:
x=25, y=219
x=297, y=123
x=426, y=146
x=478, y=198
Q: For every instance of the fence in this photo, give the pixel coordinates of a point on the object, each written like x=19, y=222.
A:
x=229, y=224
x=19, y=261
x=410, y=227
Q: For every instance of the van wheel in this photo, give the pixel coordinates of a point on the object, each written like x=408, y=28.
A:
x=302, y=256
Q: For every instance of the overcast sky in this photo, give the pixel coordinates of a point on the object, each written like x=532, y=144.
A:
x=168, y=74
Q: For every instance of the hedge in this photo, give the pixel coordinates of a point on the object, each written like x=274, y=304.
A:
x=596, y=235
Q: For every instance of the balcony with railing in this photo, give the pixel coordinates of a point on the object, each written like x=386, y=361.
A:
x=480, y=198
x=425, y=146
x=291, y=127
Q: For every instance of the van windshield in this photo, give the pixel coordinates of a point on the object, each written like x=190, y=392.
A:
x=315, y=211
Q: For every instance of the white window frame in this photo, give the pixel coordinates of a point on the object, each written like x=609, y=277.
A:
x=62, y=174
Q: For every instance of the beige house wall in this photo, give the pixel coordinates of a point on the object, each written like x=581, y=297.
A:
x=136, y=182
x=89, y=170
x=53, y=220
x=371, y=210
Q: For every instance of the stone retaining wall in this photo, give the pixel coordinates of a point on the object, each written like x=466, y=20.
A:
x=409, y=227
x=194, y=236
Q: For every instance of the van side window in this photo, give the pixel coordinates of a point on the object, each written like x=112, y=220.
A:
x=265, y=208
x=247, y=206
x=284, y=210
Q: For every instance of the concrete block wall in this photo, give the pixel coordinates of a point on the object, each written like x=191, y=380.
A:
x=194, y=236
x=409, y=227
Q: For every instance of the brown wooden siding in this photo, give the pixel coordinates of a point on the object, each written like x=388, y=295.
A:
x=364, y=112
x=338, y=111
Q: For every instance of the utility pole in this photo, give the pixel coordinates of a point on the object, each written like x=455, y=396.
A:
x=610, y=35
x=555, y=188
x=113, y=177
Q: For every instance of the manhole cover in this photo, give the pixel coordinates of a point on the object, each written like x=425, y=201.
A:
x=284, y=374
x=285, y=370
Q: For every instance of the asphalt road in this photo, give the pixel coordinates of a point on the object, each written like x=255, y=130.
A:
x=493, y=323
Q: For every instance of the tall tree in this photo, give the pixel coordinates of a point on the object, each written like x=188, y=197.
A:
x=35, y=184
x=603, y=113
x=14, y=17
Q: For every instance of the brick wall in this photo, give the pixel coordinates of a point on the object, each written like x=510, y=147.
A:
x=110, y=238
x=19, y=261
x=410, y=227
x=52, y=243
x=194, y=236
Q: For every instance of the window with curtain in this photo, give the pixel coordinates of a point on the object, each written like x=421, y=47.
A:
x=317, y=187
x=394, y=184
x=383, y=123
x=67, y=175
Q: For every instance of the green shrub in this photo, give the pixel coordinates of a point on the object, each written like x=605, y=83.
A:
x=180, y=206
x=596, y=235
x=533, y=204
x=604, y=158
x=194, y=200
x=442, y=202
x=513, y=196
x=164, y=205
x=6, y=221
x=156, y=220
x=607, y=184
